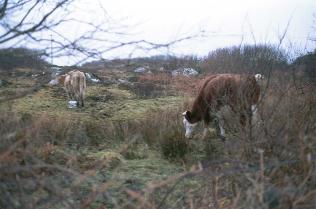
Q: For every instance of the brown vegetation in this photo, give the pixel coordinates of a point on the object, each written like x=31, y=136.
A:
x=52, y=161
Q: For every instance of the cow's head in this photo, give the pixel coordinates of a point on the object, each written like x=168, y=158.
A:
x=189, y=127
x=61, y=79
x=58, y=80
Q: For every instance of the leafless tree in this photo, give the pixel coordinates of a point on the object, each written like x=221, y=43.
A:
x=26, y=18
x=42, y=24
x=313, y=38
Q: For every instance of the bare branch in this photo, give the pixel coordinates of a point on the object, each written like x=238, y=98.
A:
x=3, y=9
x=18, y=30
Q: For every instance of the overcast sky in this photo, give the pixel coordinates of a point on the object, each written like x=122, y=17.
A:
x=224, y=22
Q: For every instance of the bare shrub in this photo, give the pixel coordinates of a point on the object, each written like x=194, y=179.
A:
x=173, y=63
x=147, y=90
x=163, y=128
x=157, y=78
x=149, y=86
x=162, y=84
x=173, y=147
x=245, y=59
x=186, y=85
x=279, y=171
x=23, y=165
x=305, y=64
x=285, y=135
x=43, y=163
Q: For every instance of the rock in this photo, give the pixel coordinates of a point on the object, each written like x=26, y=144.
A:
x=92, y=78
x=140, y=70
x=56, y=71
x=72, y=104
x=162, y=69
x=185, y=72
x=123, y=81
x=132, y=79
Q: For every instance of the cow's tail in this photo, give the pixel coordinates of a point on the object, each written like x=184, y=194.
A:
x=82, y=87
x=75, y=87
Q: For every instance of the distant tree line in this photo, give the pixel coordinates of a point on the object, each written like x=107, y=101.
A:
x=11, y=58
x=307, y=63
x=244, y=59
x=235, y=59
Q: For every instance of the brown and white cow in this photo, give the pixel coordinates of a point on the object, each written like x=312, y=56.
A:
x=74, y=83
x=239, y=92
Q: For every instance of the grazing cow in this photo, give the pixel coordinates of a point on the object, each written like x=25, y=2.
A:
x=74, y=83
x=239, y=92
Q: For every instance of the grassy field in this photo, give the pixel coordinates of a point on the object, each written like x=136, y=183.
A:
x=104, y=126
x=126, y=149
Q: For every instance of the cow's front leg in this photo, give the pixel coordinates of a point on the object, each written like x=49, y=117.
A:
x=69, y=95
x=72, y=96
x=219, y=125
x=207, y=120
x=247, y=121
x=206, y=130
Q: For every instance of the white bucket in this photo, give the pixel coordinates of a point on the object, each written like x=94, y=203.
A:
x=72, y=104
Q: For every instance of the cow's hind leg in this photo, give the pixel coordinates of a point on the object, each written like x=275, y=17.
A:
x=81, y=100
x=246, y=121
x=77, y=98
x=70, y=95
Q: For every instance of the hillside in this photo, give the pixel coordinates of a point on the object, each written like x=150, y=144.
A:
x=126, y=147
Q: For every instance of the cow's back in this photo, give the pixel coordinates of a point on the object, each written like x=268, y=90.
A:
x=78, y=81
x=230, y=89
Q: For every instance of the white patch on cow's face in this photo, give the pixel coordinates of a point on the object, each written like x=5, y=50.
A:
x=259, y=77
x=189, y=127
